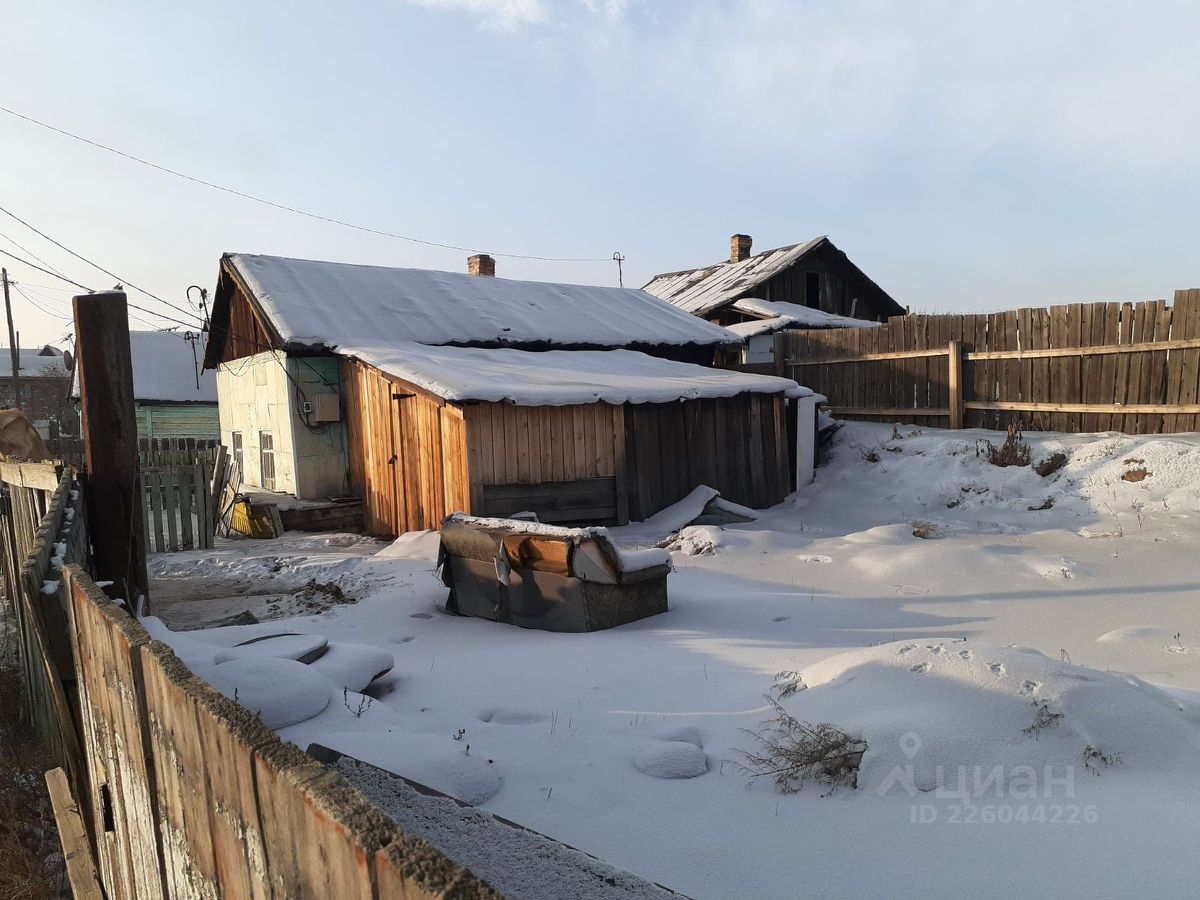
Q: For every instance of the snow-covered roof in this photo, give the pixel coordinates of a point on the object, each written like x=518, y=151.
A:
x=560, y=377
x=33, y=363
x=330, y=305
x=775, y=316
x=700, y=291
x=164, y=370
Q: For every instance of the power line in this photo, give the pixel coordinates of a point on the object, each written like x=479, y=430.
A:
x=293, y=209
x=46, y=271
x=25, y=249
x=94, y=265
x=39, y=306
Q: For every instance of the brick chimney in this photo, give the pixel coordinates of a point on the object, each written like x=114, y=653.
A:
x=481, y=264
x=739, y=247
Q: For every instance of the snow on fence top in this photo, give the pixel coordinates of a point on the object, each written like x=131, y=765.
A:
x=778, y=315
x=561, y=377
x=164, y=369
x=334, y=304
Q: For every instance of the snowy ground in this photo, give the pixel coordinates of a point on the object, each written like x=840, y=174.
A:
x=939, y=650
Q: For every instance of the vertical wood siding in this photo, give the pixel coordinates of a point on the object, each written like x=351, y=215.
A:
x=737, y=445
x=408, y=455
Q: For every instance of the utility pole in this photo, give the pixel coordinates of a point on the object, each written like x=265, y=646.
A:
x=113, y=482
x=12, y=344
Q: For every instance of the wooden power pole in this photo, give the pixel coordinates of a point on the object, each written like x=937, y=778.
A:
x=110, y=441
x=12, y=344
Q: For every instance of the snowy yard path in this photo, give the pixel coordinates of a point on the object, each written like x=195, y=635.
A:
x=902, y=639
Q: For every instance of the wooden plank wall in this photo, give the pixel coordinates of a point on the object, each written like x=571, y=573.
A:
x=178, y=501
x=1102, y=384
x=559, y=461
x=408, y=452
x=736, y=445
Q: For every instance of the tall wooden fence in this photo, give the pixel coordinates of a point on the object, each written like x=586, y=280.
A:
x=183, y=793
x=1132, y=367
x=179, y=507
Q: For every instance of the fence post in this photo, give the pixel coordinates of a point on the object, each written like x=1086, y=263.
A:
x=954, y=381
x=113, y=488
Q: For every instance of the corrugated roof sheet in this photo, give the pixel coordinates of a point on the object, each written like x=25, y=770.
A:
x=332, y=304
x=777, y=315
x=700, y=291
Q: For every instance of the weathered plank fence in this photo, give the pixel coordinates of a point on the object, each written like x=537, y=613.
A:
x=179, y=507
x=151, y=451
x=181, y=792
x=1132, y=367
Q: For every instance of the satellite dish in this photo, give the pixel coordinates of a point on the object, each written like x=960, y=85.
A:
x=68, y=360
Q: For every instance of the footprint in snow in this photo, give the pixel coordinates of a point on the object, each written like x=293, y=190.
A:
x=920, y=668
x=402, y=640
x=997, y=669
x=815, y=558
x=964, y=654
x=935, y=649
x=420, y=616
x=780, y=619
x=907, y=648
x=1028, y=686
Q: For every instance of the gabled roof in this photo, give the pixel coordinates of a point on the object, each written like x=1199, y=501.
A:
x=34, y=363
x=326, y=305
x=771, y=316
x=560, y=377
x=700, y=291
x=164, y=370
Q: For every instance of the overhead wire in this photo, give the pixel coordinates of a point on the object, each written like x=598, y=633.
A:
x=95, y=265
x=292, y=209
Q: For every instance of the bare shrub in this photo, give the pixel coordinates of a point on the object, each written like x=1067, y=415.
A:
x=1043, y=717
x=791, y=752
x=1141, y=473
x=1095, y=759
x=1051, y=464
x=1013, y=452
x=927, y=531
x=788, y=683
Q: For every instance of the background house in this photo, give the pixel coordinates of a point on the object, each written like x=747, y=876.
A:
x=171, y=397
x=426, y=393
x=809, y=285
x=45, y=381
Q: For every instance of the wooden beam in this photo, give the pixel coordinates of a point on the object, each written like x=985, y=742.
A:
x=1147, y=347
x=1131, y=408
x=77, y=851
x=900, y=411
x=44, y=476
x=870, y=357
x=954, y=383
x=113, y=488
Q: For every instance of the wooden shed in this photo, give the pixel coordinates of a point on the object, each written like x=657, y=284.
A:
x=570, y=447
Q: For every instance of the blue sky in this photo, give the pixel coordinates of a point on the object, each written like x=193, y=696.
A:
x=969, y=156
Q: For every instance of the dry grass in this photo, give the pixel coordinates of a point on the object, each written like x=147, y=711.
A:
x=1051, y=464
x=1013, y=452
x=1141, y=473
x=791, y=752
x=31, y=866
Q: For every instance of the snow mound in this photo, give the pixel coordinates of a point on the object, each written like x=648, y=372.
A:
x=432, y=760
x=301, y=647
x=353, y=666
x=930, y=703
x=696, y=540
x=672, y=759
x=281, y=691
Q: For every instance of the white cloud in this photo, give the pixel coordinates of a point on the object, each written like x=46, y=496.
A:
x=1098, y=82
x=504, y=14
x=509, y=15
